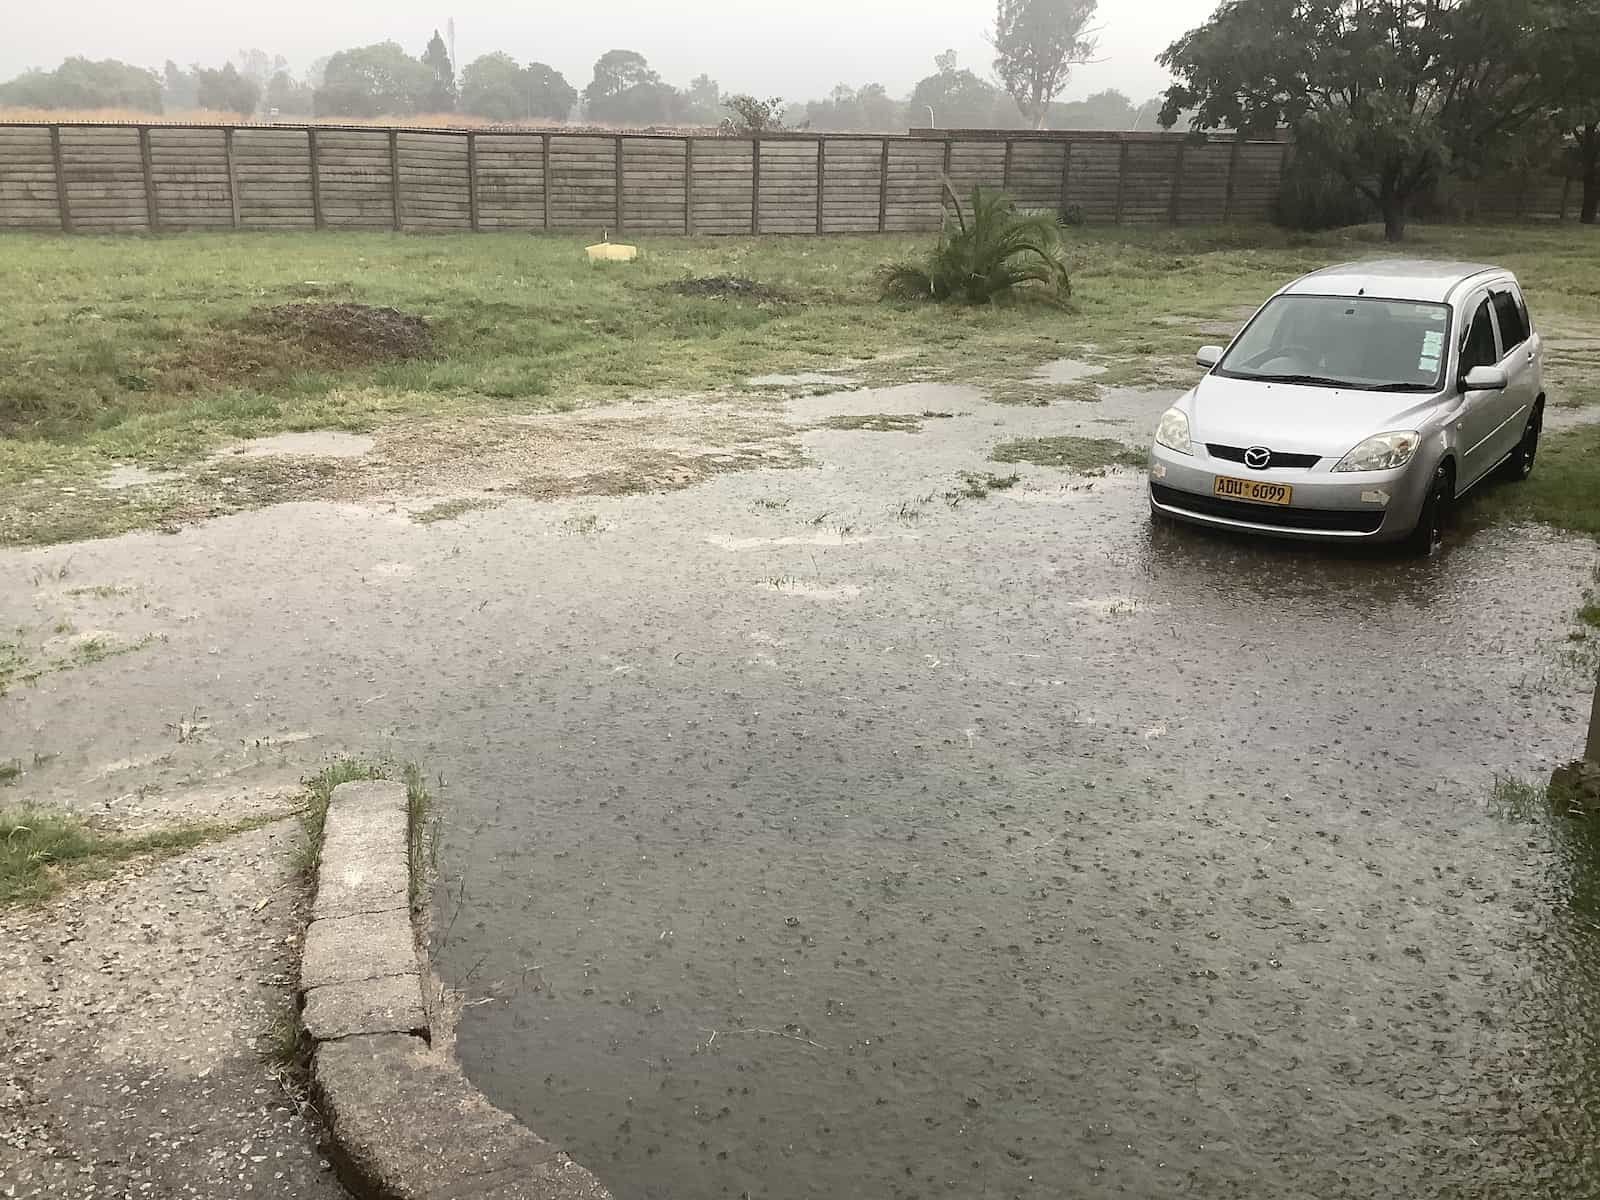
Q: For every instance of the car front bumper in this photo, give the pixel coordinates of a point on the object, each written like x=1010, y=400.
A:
x=1372, y=506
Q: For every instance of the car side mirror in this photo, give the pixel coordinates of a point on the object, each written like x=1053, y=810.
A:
x=1208, y=356
x=1485, y=379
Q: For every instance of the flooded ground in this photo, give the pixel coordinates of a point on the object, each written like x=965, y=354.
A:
x=850, y=829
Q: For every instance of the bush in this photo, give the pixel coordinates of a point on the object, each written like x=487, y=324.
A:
x=1312, y=197
x=980, y=260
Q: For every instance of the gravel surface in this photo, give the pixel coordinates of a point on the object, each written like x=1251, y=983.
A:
x=133, y=1015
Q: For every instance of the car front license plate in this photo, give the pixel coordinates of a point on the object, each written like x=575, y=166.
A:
x=1253, y=491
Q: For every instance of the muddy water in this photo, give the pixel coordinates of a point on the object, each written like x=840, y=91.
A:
x=811, y=834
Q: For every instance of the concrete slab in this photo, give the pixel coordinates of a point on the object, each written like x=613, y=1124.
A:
x=354, y=881
x=357, y=948
x=390, y=1005
x=411, y=1127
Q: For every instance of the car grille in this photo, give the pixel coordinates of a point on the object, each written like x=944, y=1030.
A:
x=1325, y=520
x=1279, y=458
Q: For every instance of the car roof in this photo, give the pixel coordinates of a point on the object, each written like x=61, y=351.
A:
x=1392, y=278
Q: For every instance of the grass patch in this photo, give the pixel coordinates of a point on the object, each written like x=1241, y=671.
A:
x=876, y=423
x=421, y=834
x=42, y=851
x=978, y=485
x=1563, y=491
x=1074, y=453
x=10, y=772
x=25, y=664
x=448, y=510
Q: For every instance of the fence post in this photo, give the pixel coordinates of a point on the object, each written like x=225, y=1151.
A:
x=1175, y=203
x=1122, y=180
x=755, y=185
x=621, y=208
x=395, y=201
x=822, y=177
x=1233, y=170
x=233, y=174
x=547, y=182
x=883, y=188
x=317, y=219
x=472, y=182
x=949, y=157
x=1005, y=170
x=61, y=180
x=152, y=211
x=1066, y=173
x=688, y=186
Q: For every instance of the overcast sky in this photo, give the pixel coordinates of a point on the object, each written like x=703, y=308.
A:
x=792, y=48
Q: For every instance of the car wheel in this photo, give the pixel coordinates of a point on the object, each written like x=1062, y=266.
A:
x=1520, y=465
x=1435, y=511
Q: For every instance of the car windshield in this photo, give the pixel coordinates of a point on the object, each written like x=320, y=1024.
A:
x=1345, y=342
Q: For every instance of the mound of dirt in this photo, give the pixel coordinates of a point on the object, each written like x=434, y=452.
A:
x=726, y=287
x=350, y=333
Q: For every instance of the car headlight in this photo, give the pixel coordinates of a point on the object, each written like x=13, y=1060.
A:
x=1173, y=432
x=1385, y=452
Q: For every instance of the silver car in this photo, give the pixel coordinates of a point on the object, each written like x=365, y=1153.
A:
x=1359, y=404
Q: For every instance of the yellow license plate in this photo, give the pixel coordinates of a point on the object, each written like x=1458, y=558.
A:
x=1253, y=491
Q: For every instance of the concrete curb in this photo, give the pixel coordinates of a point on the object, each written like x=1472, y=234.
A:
x=406, y=1122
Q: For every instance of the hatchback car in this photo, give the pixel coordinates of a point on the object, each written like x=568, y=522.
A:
x=1359, y=403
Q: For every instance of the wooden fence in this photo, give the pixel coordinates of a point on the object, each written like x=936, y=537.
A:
x=149, y=178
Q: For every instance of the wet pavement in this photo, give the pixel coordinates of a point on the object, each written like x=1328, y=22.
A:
x=824, y=831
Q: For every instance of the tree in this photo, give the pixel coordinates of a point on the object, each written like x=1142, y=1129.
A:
x=441, y=96
x=81, y=83
x=179, y=91
x=755, y=116
x=626, y=90
x=260, y=66
x=1386, y=93
x=371, y=81
x=1571, y=52
x=551, y=97
x=703, y=101
x=494, y=86
x=289, y=97
x=226, y=90
x=960, y=100
x=1037, y=43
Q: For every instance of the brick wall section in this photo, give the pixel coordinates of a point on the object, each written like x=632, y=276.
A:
x=140, y=178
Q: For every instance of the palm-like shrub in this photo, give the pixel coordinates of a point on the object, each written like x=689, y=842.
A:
x=984, y=256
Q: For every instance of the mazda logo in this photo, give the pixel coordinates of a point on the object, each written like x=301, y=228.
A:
x=1258, y=458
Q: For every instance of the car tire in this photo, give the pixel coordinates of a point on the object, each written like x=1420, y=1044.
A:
x=1435, y=511
x=1520, y=465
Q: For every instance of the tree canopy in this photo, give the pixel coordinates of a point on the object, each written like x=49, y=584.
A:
x=226, y=90
x=1387, y=93
x=1037, y=43
x=441, y=96
x=961, y=100
x=82, y=83
x=494, y=86
x=371, y=81
x=627, y=91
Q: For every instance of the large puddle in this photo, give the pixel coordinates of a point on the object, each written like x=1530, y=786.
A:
x=826, y=832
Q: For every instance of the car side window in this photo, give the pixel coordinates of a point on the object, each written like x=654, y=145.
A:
x=1478, y=349
x=1513, y=327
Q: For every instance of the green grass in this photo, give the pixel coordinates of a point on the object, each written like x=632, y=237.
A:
x=318, y=795
x=143, y=350
x=447, y=510
x=1563, y=491
x=421, y=839
x=875, y=423
x=1079, y=454
x=43, y=851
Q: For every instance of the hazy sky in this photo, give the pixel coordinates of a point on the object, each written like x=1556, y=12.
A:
x=797, y=49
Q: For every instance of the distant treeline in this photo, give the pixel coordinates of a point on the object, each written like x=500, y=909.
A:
x=384, y=80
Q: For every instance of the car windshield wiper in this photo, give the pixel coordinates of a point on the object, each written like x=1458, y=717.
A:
x=1399, y=387
x=1307, y=380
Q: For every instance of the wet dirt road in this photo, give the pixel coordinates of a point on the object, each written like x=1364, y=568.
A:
x=813, y=833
